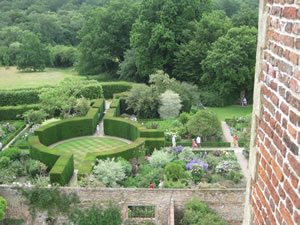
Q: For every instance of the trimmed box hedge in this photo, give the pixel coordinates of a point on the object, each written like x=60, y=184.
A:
x=203, y=144
x=19, y=97
x=11, y=112
x=63, y=170
x=128, y=152
x=121, y=95
x=115, y=104
x=61, y=165
x=123, y=128
x=151, y=133
x=110, y=88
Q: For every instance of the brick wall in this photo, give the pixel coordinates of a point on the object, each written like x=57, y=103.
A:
x=274, y=187
x=228, y=203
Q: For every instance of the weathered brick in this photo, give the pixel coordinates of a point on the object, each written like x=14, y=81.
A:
x=276, y=11
x=267, y=143
x=290, y=144
x=274, y=180
x=294, y=180
x=292, y=131
x=277, y=170
x=273, y=150
x=284, y=108
x=293, y=85
x=267, y=129
x=289, y=1
x=289, y=205
x=295, y=27
x=294, y=58
x=297, y=73
x=275, y=100
x=284, y=123
x=286, y=215
x=294, y=118
x=294, y=164
x=286, y=170
x=273, y=85
x=279, y=159
x=267, y=116
x=289, y=27
x=289, y=12
x=279, y=145
x=290, y=191
x=281, y=192
x=297, y=44
x=297, y=218
x=278, y=129
x=272, y=123
x=282, y=91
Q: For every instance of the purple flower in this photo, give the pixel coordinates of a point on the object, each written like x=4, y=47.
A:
x=196, y=162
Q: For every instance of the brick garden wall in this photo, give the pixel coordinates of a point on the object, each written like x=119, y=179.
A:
x=228, y=203
x=273, y=187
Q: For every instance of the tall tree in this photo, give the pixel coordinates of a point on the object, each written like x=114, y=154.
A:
x=159, y=29
x=190, y=54
x=230, y=64
x=105, y=37
x=33, y=54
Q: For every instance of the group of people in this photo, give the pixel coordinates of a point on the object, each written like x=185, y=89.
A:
x=161, y=183
x=196, y=143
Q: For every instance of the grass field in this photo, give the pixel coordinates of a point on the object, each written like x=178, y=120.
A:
x=231, y=111
x=80, y=147
x=13, y=79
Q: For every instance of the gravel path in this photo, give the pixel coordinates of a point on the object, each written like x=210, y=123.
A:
x=238, y=151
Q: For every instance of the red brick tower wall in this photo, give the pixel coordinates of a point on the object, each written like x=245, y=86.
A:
x=273, y=186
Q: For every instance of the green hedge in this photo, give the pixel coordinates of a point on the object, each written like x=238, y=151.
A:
x=61, y=166
x=203, y=144
x=19, y=97
x=11, y=112
x=115, y=104
x=123, y=107
x=127, y=152
x=91, y=91
x=110, y=88
x=111, y=112
x=154, y=143
x=121, y=95
x=63, y=170
x=151, y=133
x=119, y=127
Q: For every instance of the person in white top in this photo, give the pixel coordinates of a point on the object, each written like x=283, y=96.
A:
x=1, y=146
x=161, y=183
x=198, y=140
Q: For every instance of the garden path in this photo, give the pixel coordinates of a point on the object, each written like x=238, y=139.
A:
x=238, y=151
x=9, y=143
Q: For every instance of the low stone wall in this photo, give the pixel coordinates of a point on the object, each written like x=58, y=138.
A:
x=228, y=203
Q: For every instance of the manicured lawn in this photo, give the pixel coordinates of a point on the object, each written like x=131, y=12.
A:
x=13, y=79
x=80, y=147
x=230, y=111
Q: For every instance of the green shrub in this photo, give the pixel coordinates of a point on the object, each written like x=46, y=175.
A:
x=63, y=170
x=186, y=155
x=82, y=106
x=160, y=158
x=149, y=175
x=97, y=216
x=4, y=162
x=184, y=117
x=16, y=112
x=110, y=88
x=109, y=172
x=19, y=97
x=35, y=116
x=175, y=184
x=174, y=171
x=91, y=91
x=2, y=207
x=197, y=213
x=12, y=153
x=203, y=144
x=34, y=167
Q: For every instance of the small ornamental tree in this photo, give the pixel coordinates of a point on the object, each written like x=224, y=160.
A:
x=170, y=105
x=204, y=123
x=2, y=207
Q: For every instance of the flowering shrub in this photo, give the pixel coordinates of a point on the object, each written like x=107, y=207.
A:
x=160, y=158
x=109, y=172
x=176, y=149
x=196, y=161
x=174, y=171
x=170, y=134
x=186, y=154
x=197, y=172
x=226, y=166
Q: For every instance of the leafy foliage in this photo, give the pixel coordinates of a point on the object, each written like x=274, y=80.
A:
x=109, y=172
x=174, y=171
x=229, y=66
x=2, y=207
x=186, y=155
x=204, y=123
x=97, y=216
x=82, y=106
x=35, y=116
x=160, y=158
x=33, y=55
x=197, y=213
x=170, y=105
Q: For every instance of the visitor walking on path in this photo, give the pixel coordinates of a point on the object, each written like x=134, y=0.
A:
x=161, y=184
x=194, y=144
x=151, y=186
x=235, y=141
x=198, y=140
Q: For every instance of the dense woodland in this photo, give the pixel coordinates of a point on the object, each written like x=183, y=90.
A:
x=210, y=43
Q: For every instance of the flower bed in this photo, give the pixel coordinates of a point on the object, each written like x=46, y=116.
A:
x=178, y=167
